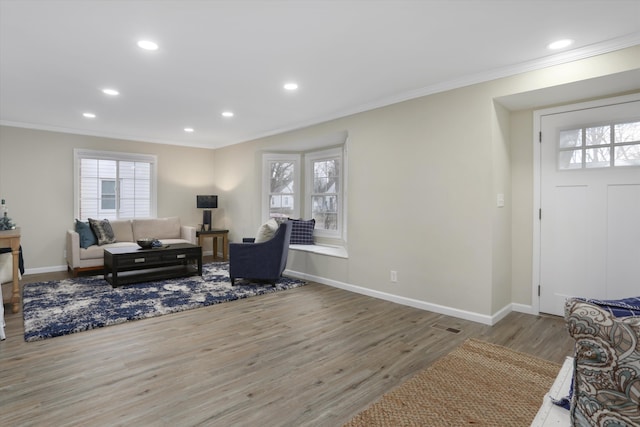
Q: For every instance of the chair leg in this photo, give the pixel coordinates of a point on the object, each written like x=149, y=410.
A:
x=233, y=281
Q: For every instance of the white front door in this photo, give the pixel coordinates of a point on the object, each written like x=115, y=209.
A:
x=590, y=204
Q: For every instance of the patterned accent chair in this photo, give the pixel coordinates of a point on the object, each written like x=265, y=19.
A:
x=264, y=261
x=606, y=382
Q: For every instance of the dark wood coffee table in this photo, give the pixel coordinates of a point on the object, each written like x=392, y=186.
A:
x=123, y=266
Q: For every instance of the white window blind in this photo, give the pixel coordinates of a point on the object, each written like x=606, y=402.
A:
x=114, y=185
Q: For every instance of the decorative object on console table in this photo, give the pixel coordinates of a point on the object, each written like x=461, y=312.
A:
x=214, y=233
x=207, y=203
x=5, y=221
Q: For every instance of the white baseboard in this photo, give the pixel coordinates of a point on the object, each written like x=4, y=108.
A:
x=49, y=269
x=501, y=314
x=521, y=308
x=423, y=305
x=411, y=302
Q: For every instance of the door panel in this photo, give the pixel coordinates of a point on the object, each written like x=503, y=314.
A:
x=623, y=250
x=590, y=226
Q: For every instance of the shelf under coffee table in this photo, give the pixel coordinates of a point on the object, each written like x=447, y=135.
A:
x=123, y=266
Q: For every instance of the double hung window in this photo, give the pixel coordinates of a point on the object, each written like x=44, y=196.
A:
x=281, y=177
x=323, y=196
x=114, y=185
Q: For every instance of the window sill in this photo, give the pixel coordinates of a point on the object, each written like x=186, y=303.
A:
x=334, y=251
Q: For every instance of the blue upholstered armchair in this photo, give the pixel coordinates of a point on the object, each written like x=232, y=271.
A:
x=263, y=261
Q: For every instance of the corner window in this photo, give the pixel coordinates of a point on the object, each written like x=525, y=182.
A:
x=114, y=185
x=316, y=190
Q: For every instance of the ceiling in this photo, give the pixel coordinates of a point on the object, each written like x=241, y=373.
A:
x=215, y=56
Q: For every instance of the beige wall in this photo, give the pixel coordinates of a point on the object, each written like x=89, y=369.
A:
x=36, y=179
x=522, y=217
x=423, y=179
x=501, y=250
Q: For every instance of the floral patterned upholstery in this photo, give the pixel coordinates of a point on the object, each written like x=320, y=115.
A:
x=606, y=384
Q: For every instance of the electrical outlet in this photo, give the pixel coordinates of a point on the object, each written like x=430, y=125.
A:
x=394, y=276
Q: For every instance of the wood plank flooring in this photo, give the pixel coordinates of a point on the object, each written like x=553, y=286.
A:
x=311, y=356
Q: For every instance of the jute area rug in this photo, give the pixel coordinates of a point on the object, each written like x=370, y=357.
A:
x=478, y=384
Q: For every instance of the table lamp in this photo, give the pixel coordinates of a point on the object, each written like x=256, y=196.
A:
x=206, y=203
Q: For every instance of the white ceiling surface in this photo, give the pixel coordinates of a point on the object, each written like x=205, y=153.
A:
x=347, y=57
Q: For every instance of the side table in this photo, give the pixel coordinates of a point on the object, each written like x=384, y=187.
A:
x=214, y=233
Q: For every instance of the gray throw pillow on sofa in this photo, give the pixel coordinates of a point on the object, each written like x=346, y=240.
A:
x=103, y=231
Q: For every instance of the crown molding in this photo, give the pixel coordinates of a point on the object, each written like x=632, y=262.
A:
x=585, y=52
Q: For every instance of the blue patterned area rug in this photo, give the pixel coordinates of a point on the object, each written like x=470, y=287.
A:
x=56, y=308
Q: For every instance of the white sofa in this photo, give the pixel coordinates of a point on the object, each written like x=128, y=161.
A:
x=126, y=232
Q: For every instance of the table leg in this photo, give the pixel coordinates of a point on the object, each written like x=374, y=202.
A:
x=15, y=293
x=225, y=247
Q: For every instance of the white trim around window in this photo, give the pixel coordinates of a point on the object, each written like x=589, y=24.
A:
x=145, y=205
x=329, y=241
x=333, y=196
x=293, y=194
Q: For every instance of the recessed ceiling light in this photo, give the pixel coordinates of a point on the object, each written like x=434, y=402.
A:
x=188, y=130
x=227, y=114
x=147, y=45
x=89, y=115
x=111, y=92
x=560, y=44
x=291, y=86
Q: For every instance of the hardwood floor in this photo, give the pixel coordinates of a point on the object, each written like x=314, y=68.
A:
x=310, y=356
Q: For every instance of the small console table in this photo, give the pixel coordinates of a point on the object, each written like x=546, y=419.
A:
x=124, y=265
x=214, y=233
x=11, y=238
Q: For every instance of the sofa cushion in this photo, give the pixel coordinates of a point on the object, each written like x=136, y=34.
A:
x=156, y=228
x=97, y=252
x=87, y=237
x=103, y=231
x=302, y=231
x=266, y=231
x=122, y=230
